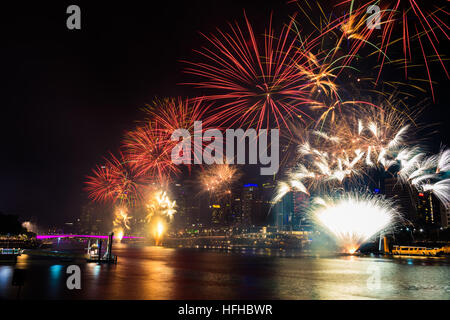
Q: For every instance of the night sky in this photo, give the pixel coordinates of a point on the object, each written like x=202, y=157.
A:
x=69, y=95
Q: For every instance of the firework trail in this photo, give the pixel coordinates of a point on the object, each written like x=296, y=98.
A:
x=415, y=21
x=116, y=181
x=159, y=204
x=322, y=167
x=336, y=39
x=176, y=113
x=354, y=217
x=148, y=149
x=429, y=173
x=347, y=148
x=121, y=221
x=257, y=80
x=160, y=210
x=218, y=179
x=359, y=142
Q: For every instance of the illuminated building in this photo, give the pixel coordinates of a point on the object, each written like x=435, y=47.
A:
x=179, y=195
x=217, y=214
x=284, y=211
x=428, y=210
x=267, y=194
x=419, y=207
x=236, y=207
x=251, y=205
x=301, y=203
x=445, y=216
x=92, y=219
x=405, y=197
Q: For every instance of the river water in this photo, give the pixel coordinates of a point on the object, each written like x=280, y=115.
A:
x=147, y=272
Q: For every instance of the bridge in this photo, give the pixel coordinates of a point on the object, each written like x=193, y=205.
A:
x=57, y=236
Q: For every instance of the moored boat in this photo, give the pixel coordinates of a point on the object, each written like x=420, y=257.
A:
x=9, y=254
x=416, y=251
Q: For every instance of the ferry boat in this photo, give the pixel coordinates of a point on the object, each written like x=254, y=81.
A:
x=416, y=251
x=10, y=254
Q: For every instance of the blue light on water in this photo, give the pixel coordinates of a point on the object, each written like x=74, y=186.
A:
x=6, y=273
x=97, y=269
x=55, y=271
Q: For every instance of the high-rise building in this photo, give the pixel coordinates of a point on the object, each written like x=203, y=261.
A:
x=181, y=218
x=428, y=210
x=405, y=197
x=301, y=204
x=284, y=212
x=235, y=217
x=267, y=194
x=422, y=208
x=445, y=216
x=217, y=214
x=251, y=205
x=94, y=219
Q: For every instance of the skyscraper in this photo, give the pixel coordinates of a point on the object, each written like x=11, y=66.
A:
x=267, y=194
x=301, y=202
x=428, y=210
x=179, y=195
x=284, y=212
x=406, y=198
x=251, y=205
x=445, y=216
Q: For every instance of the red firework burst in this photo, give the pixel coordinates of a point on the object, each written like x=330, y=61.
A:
x=175, y=113
x=149, y=150
x=165, y=117
x=115, y=181
x=257, y=80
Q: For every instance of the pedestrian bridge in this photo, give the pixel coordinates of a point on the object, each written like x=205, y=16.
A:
x=58, y=236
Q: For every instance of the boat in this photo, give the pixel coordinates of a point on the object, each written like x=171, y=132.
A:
x=10, y=254
x=416, y=251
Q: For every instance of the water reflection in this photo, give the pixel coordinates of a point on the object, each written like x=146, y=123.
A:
x=145, y=272
x=6, y=273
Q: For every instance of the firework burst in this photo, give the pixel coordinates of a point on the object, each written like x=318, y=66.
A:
x=116, y=181
x=149, y=150
x=176, y=113
x=353, y=218
x=416, y=21
x=346, y=148
x=218, y=179
x=121, y=221
x=159, y=204
x=259, y=80
x=428, y=173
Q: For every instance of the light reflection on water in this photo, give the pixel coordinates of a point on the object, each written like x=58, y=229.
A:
x=145, y=272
